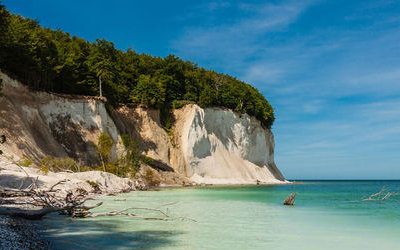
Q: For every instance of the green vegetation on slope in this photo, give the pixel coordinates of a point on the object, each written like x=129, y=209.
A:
x=51, y=60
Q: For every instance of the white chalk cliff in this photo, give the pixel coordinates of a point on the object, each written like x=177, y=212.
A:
x=211, y=146
x=223, y=147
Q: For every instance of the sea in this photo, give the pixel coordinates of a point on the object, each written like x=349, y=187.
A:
x=326, y=215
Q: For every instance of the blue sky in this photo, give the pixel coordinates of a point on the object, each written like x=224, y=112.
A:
x=331, y=69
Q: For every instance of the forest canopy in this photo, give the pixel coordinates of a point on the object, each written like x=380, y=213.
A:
x=55, y=61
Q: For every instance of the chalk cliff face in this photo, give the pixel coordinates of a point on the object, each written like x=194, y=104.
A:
x=212, y=145
x=222, y=147
x=39, y=123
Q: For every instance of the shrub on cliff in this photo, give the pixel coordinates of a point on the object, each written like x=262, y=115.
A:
x=54, y=164
x=130, y=161
x=126, y=164
x=104, y=146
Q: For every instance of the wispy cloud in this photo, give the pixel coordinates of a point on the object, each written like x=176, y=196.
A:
x=237, y=39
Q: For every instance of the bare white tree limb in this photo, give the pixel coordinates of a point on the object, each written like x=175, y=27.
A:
x=382, y=195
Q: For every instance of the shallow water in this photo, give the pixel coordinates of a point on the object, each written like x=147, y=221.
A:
x=327, y=215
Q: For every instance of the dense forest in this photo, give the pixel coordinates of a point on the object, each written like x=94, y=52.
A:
x=55, y=61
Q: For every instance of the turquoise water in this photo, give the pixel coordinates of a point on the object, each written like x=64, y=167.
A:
x=327, y=215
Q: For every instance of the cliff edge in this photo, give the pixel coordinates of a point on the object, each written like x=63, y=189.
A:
x=210, y=146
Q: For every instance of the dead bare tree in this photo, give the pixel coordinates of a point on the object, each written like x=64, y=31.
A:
x=382, y=195
x=71, y=204
x=289, y=201
x=47, y=199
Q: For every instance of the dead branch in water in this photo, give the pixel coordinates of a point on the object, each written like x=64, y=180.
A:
x=124, y=212
x=382, y=195
x=289, y=201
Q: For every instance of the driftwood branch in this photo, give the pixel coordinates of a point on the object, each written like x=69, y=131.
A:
x=124, y=212
x=382, y=195
x=289, y=201
x=71, y=204
x=91, y=207
x=56, y=184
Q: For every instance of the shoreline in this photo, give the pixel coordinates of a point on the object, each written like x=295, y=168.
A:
x=166, y=186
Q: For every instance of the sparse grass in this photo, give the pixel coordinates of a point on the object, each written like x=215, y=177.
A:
x=25, y=162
